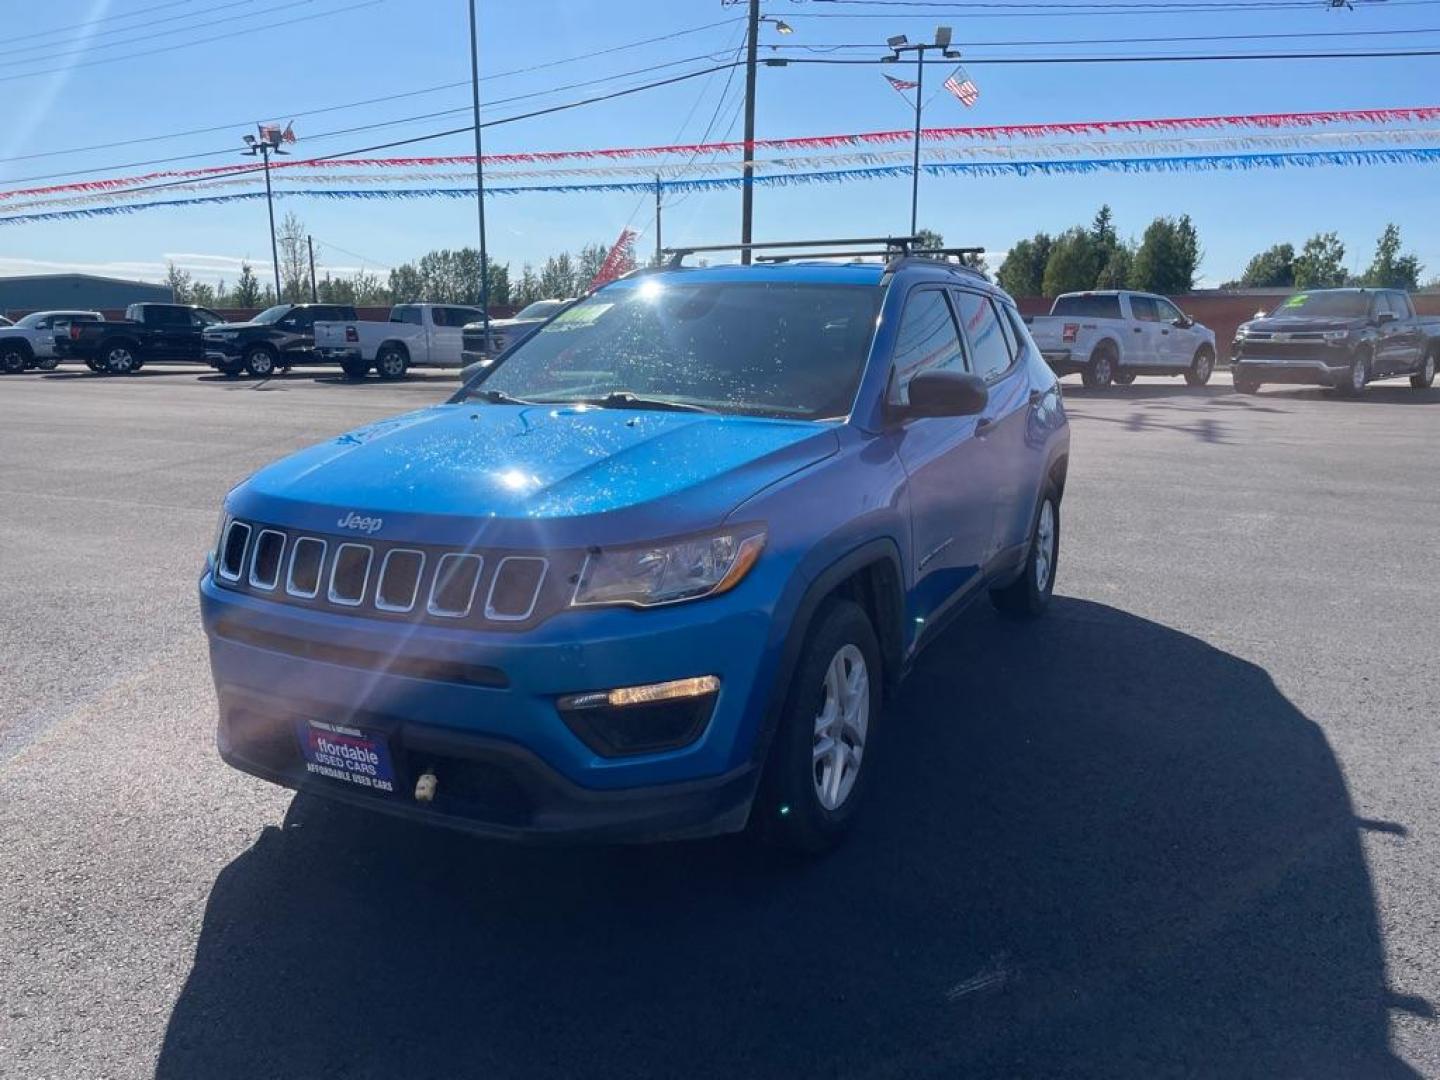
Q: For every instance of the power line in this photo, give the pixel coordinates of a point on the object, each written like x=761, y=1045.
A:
x=467, y=128
x=1135, y=40
x=195, y=156
x=1177, y=58
x=104, y=18
x=147, y=32
x=366, y=101
x=1084, y=6
x=354, y=6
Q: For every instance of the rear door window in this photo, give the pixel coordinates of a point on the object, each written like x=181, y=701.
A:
x=1144, y=309
x=991, y=351
x=926, y=340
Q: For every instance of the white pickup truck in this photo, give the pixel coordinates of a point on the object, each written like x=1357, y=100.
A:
x=1116, y=335
x=30, y=343
x=414, y=335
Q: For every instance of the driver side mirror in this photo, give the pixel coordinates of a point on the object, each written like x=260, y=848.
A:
x=946, y=393
x=1184, y=322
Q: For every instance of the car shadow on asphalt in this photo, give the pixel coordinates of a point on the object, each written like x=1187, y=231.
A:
x=1094, y=846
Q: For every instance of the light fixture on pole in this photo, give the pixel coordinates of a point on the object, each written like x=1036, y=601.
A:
x=268, y=142
x=900, y=44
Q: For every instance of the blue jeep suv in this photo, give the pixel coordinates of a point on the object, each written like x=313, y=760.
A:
x=653, y=572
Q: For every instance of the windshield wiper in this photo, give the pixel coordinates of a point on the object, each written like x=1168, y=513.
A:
x=625, y=399
x=499, y=397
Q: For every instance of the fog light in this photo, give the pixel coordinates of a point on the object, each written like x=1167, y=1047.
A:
x=641, y=719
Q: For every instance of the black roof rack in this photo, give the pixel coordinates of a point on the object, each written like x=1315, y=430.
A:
x=874, y=245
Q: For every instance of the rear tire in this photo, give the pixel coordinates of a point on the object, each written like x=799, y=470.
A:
x=391, y=363
x=818, y=766
x=1202, y=367
x=1425, y=377
x=117, y=358
x=1101, y=370
x=1029, y=595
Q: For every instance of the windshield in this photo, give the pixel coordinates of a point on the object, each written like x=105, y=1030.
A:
x=1087, y=307
x=540, y=309
x=273, y=314
x=777, y=349
x=1347, y=304
x=29, y=322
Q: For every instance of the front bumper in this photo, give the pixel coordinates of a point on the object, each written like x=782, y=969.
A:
x=219, y=353
x=507, y=764
x=1311, y=371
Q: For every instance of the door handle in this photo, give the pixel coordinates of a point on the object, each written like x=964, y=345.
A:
x=983, y=426
x=1164, y=331
x=1139, y=329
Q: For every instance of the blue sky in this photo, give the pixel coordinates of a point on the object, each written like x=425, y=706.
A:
x=69, y=77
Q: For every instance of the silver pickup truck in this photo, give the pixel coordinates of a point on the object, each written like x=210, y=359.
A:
x=1113, y=336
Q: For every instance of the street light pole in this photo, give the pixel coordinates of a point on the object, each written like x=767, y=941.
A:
x=270, y=202
x=898, y=45
x=479, y=171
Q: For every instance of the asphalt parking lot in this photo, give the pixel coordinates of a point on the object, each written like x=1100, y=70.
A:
x=1188, y=824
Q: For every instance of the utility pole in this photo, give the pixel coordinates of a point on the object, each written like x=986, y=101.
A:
x=314, y=296
x=658, y=245
x=479, y=172
x=898, y=45
x=747, y=191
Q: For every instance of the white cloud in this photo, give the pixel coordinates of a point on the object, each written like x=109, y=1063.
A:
x=202, y=266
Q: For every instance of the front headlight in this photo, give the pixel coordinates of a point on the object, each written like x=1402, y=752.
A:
x=1335, y=335
x=664, y=573
x=213, y=555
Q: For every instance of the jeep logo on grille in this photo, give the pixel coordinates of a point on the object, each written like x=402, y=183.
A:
x=355, y=521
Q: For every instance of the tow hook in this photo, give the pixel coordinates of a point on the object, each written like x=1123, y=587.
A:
x=425, y=786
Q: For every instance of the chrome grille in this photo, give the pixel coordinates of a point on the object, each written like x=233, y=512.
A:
x=396, y=581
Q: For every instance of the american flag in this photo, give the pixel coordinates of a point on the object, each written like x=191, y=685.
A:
x=960, y=85
x=901, y=85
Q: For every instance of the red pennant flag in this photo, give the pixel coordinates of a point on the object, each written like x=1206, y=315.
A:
x=614, y=264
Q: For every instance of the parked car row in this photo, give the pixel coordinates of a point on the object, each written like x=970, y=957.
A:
x=280, y=337
x=1341, y=339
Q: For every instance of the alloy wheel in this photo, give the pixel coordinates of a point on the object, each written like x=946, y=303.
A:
x=1044, y=545
x=841, y=726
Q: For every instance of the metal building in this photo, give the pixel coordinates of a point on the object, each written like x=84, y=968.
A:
x=43, y=292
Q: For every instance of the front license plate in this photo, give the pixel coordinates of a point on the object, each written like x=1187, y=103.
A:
x=347, y=754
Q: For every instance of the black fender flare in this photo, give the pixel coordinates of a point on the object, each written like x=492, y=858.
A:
x=24, y=345
x=820, y=588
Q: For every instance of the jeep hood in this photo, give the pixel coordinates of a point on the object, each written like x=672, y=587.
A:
x=574, y=475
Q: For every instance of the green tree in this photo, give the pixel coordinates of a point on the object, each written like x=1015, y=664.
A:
x=1022, y=273
x=180, y=282
x=1074, y=263
x=406, y=286
x=1272, y=268
x=1390, y=269
x=247, y=292
x=1167, y=258
x=292, y=241
x=1321, y=263
x=527, y=288
x=1115, y=271
x=202, y=294
x=557, y=277
x=588, y=261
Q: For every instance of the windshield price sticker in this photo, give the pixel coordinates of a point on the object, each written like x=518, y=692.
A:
x=346, y=754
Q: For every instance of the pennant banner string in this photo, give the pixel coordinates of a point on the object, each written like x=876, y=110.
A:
x=1412, y=114
x=1053, y=167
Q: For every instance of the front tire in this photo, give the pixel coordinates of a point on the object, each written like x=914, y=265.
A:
x=1356, y=378
x=1124, y=378
x=1202, y=367
x=818, y=767
x=12, y=360
x=1101, y=372
x=1029, y=595
x=1425, y=377
x=1246, y=385
x=260, y=362
x=391, y=363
